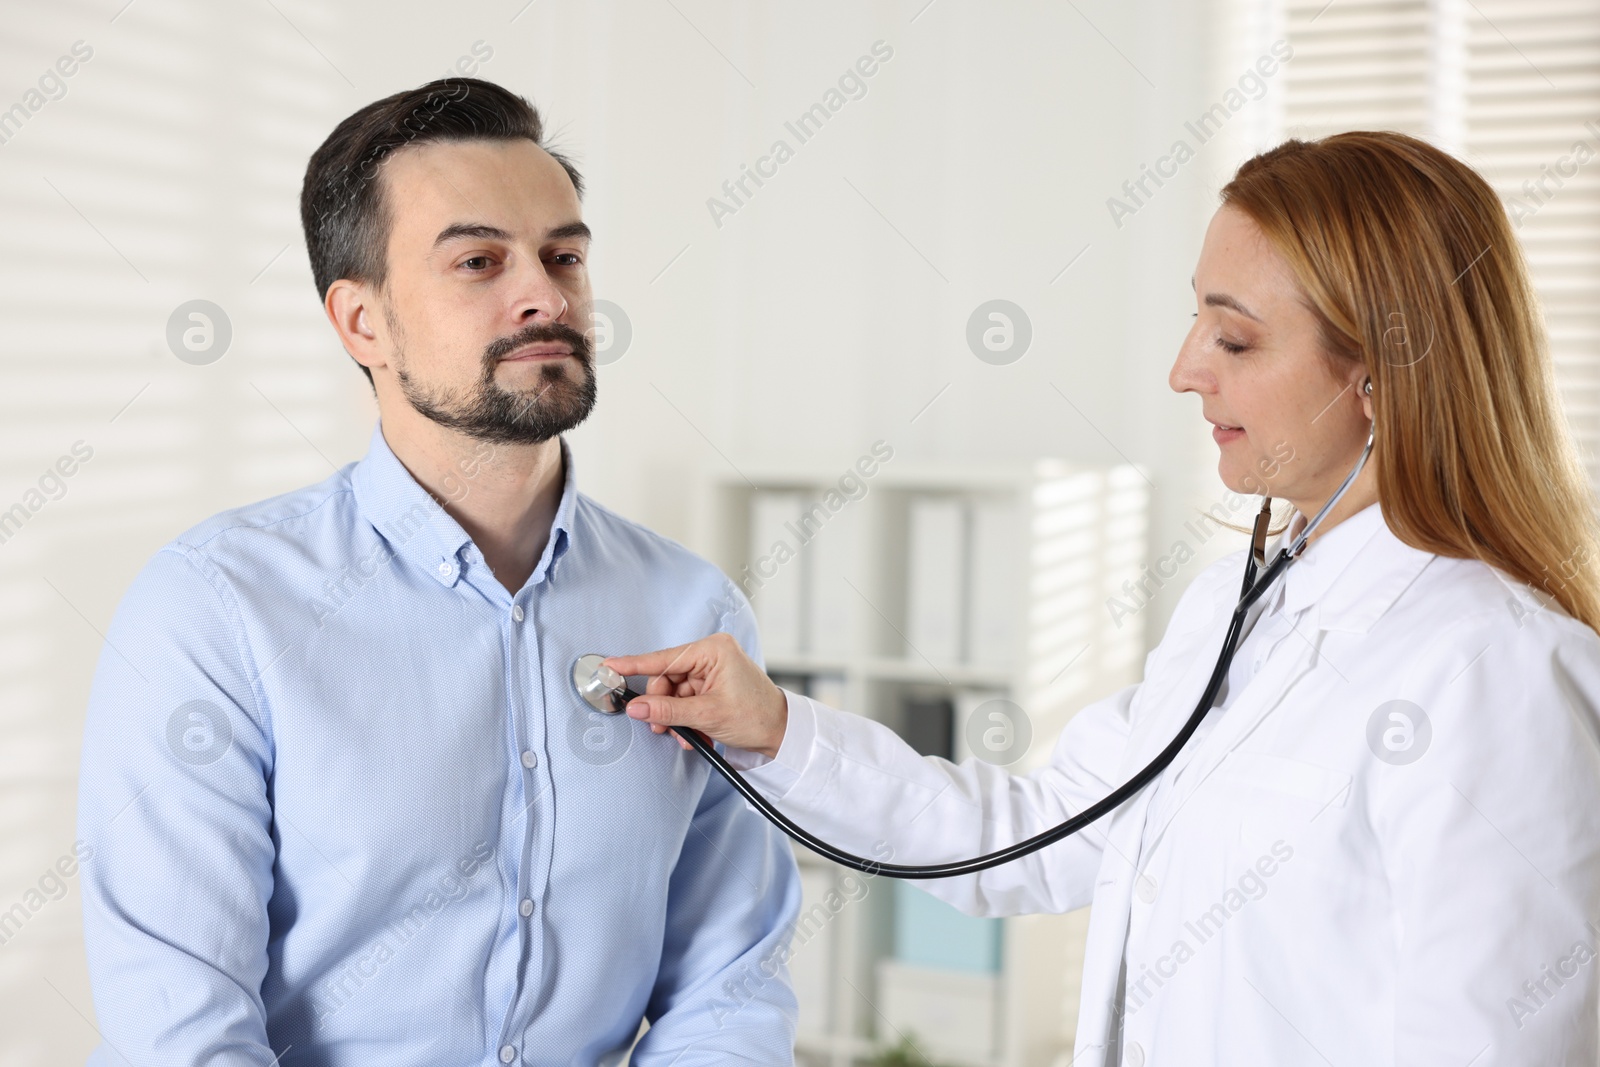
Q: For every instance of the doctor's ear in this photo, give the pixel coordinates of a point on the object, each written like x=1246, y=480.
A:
x=1366, y=398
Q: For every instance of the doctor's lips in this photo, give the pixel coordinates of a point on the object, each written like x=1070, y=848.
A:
x=1222, y=433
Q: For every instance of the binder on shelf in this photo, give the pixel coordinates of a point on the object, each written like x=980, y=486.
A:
x=925, y=723
x=968, y=723
x=994, y=615
x=936, y=578
x=777, y=563
x=831, y=553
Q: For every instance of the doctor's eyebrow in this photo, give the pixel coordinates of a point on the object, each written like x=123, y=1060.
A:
x=1224, y=300
x=483, y=232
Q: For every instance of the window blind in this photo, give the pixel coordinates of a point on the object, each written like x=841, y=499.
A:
x=1510, y=86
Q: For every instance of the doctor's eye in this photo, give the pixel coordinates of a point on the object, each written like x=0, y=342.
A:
x=1230, y=347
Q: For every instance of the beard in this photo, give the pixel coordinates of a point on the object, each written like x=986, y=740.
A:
x=487, y=412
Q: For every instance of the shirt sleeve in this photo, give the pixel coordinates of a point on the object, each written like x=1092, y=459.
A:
x=723, y=994
x=173, y=806
x=1491, y=840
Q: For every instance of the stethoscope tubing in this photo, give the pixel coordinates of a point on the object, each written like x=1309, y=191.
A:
x=1033, y=844
x=1250, y=592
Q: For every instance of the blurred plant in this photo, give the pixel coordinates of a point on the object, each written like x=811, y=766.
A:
x=905, y=1054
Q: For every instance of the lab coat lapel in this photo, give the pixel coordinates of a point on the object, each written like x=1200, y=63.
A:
x=1350, y=599
x=1298, y=657
x=1170, y=701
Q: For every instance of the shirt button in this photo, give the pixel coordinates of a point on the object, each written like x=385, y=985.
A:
x=516, y=612
x=444, y=568
x=530, y=759
x=1134, y=1058
x=526, y=907
x=1145, y=888
x=509, y=1053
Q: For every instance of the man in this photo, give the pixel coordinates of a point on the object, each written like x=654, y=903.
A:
x=345, y=803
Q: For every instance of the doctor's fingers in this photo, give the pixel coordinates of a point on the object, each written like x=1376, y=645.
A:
x=667, y=729
x=693, y=658
x=743, y=709
x=674, y=685
x=660, y=709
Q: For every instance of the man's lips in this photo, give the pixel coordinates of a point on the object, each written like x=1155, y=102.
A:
x=547, y=350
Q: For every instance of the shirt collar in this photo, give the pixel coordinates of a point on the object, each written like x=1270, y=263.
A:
x=1350, y=575
x=419, y=530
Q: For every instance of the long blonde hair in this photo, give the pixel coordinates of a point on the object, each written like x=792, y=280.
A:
x=1408, y=261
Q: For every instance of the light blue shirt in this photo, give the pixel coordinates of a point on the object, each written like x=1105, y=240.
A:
x=345, y=807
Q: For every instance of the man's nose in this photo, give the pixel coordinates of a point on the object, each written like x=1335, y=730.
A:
x=538, y=296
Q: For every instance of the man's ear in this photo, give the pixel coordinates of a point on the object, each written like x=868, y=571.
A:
x=353, y=310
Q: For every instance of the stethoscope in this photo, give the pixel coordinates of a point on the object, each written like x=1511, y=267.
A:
x=607, y=691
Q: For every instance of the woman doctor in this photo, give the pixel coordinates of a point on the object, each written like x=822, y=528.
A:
x=1382, y=847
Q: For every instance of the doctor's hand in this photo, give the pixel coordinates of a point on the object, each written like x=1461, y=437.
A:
x=709, y=685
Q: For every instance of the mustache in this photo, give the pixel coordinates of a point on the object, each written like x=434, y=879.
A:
x=538, y=332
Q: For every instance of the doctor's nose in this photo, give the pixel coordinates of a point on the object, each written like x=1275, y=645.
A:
x=1189, y=372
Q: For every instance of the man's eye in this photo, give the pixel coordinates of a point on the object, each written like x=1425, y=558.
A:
x=476, y=259
x=568, y=259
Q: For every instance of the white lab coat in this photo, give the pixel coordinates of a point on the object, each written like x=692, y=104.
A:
x=1294, y=899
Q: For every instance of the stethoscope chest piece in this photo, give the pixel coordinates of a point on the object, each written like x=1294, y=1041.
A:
x=601, y=687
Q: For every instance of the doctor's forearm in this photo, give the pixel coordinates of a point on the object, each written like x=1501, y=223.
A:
x=856, y=784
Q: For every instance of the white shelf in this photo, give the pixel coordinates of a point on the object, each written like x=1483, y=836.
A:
x=1079, y=534
x=898, y=669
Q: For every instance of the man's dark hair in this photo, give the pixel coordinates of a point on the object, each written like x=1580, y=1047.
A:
x=342, y=207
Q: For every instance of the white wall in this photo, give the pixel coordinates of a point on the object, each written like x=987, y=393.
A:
x=826, y=313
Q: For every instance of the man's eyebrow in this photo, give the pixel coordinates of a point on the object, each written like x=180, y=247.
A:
x=484, y=232
x=568, y=232
x=478, y=230
x=1224, y=300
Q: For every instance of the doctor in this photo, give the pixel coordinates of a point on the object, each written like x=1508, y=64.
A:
x=1383, y=846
